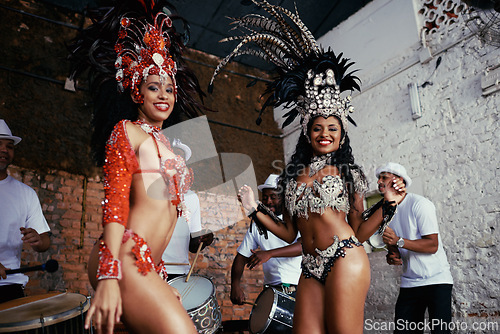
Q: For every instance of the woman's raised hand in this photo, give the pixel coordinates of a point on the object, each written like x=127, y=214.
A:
x=247, y=199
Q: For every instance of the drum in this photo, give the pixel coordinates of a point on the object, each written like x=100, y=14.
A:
x=198, y=299
x=272, y=312
x=376, y=240
x=53, y=313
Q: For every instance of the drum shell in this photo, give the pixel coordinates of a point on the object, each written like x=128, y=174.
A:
x=53, y=313
x=279, y=317
x=206, y=314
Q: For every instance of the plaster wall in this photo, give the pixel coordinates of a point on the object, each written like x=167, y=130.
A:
x=451, y=151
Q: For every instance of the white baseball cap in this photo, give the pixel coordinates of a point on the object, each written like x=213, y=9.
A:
x=5, y=133
x=271, y=182
x=396, y=169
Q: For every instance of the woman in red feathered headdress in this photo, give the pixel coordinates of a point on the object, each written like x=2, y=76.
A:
x=138, y=82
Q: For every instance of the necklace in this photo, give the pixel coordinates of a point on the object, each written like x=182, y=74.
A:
x=153, y=131
x=148, y=128
x=318, y=162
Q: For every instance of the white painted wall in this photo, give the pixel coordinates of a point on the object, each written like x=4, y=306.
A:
x=452, y=151
x=381, y=31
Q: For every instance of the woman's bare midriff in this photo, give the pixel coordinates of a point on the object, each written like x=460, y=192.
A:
x=151, y=218
x=318, y=230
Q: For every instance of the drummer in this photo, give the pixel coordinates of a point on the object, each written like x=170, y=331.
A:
x=22, y=221
x=280, y=260
x=187, y=237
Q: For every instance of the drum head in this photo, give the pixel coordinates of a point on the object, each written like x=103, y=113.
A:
x=376, y=240
x=28, y=312
x=195, y=292
x=262, y=311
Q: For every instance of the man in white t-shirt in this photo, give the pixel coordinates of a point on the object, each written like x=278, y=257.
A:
x=186, y=238
x=414, y=242
x=21, y=221
x=280, y=260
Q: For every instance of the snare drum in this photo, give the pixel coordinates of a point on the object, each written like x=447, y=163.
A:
x=198, y=299
x=52, y=313
x=272, y=312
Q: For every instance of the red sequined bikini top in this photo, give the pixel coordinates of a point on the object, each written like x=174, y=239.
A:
x=121, y=163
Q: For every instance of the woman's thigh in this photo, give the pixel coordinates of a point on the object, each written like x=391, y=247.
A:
x=309, y=307
x=346, y=288
x=149, y=303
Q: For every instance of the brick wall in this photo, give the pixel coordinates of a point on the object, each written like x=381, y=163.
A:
x=54, y=156
x=62, y=194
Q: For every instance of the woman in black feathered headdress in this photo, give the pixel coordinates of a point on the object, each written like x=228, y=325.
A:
x=139, y=82
x=322, y=186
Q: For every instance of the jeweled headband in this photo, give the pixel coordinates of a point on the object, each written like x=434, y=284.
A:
x=310, y=79
x=143, y=49
x=323, y=99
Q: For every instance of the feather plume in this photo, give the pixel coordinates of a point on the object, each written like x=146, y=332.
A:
x=282, y=39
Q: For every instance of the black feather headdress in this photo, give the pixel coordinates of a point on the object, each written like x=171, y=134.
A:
x=310, y=80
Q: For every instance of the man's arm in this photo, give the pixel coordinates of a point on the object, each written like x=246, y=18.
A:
x=38, y=242
x=237, y=294
x=3, y=275
x=260, y=257
x=428, y=243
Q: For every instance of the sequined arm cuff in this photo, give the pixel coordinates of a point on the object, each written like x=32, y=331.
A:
x=109, y=267
x=265, y=210
x=118, y=168
x=370, y=211
x=388, y=212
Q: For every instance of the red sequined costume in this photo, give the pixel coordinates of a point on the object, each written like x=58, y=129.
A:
x=120, y=164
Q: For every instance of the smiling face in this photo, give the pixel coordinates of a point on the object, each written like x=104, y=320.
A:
x=6, y=156
x=272, y=199
x=159, y=100
x=325, y=135
x=385, y=180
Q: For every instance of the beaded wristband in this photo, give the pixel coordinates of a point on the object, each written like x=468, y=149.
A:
x=388, y=212
x=253, y=211
x=109, y=267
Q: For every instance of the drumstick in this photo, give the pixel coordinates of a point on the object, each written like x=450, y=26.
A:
x=249, y=303
x=194, y=261
x=176, y=264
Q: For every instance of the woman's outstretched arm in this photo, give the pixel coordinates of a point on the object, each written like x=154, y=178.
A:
x=286, y=231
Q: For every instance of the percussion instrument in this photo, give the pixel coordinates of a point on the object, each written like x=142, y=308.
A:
x=272, y=312
x=198, y=299
x=376, y=240
x=52, y=313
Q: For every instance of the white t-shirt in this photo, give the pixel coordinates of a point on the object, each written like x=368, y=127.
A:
x=19, y=207
x=414, y=218
x=177, y=250
x=278, y=269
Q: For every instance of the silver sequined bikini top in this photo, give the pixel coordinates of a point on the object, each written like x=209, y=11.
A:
x=329, y=193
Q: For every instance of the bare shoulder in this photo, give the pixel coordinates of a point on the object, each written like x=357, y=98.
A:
x=135, y=134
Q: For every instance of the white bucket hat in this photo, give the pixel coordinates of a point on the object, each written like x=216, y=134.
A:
x=271, y=182
x=5, y=133
x=396, y=169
